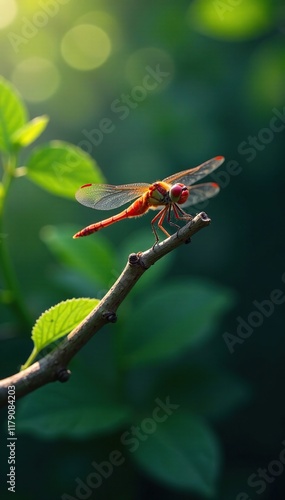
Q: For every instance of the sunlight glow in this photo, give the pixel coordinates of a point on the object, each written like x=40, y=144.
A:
x=236, y=20
x=8, y=11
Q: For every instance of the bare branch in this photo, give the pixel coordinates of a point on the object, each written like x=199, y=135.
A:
x=54, y=365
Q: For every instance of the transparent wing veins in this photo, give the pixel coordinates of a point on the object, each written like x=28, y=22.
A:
x=107, y=197
x=201, y=192
x=188, y=177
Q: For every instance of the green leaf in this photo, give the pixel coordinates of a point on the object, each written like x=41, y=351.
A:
x=60, y=320
x=57, y=322
x=93, y=257
x=27, y=134
x=171, y=319
x=241, y=21
x=180, y=451
x=87, y=404
x=13, y=114
x=62, y=168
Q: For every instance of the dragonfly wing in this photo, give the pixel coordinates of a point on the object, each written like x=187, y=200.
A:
x=188, y=177
x=107, y=197
x=200, y=193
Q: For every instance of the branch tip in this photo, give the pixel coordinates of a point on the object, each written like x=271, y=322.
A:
x=205, y=217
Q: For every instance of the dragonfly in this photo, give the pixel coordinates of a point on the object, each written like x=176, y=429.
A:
x=169, y=196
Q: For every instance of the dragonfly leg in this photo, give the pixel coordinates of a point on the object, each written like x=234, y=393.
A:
x=185, y=216
x=160, y=217
x=169, y=215
x=178, y=210
x=179, y=214
x=161, y=220
x=153, y=228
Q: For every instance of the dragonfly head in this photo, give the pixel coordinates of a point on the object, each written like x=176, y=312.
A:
x=178, y=193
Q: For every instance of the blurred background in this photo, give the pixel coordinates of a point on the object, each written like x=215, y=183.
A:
x=148, y=89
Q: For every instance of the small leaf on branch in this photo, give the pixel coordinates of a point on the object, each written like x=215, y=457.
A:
x=57, y=322
x=27, y=134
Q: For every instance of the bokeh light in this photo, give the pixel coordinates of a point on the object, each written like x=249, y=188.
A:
x=266, y=83
x=8, y=12
x=108, y=23
x=233, y=21
x=36, y=78
x=85, y=47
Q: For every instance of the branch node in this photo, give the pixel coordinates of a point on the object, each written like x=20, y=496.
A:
x=134, y=259
x=63, y=375
x=110, y=316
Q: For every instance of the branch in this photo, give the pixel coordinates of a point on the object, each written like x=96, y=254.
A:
x=54, y=365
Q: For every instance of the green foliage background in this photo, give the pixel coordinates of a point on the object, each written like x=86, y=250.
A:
x=224, y=86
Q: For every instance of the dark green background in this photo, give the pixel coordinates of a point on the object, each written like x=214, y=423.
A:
x=226, y=82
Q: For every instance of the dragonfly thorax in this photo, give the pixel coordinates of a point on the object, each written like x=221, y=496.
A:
x=159, y=193
x=178, y=193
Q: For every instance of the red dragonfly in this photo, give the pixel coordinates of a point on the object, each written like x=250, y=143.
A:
x=173, y=194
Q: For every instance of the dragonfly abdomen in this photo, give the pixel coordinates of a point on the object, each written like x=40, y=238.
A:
x=136, y=209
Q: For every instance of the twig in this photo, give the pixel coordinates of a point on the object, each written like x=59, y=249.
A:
x=54, y=365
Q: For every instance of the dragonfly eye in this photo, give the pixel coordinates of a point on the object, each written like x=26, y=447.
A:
x=176, y=191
